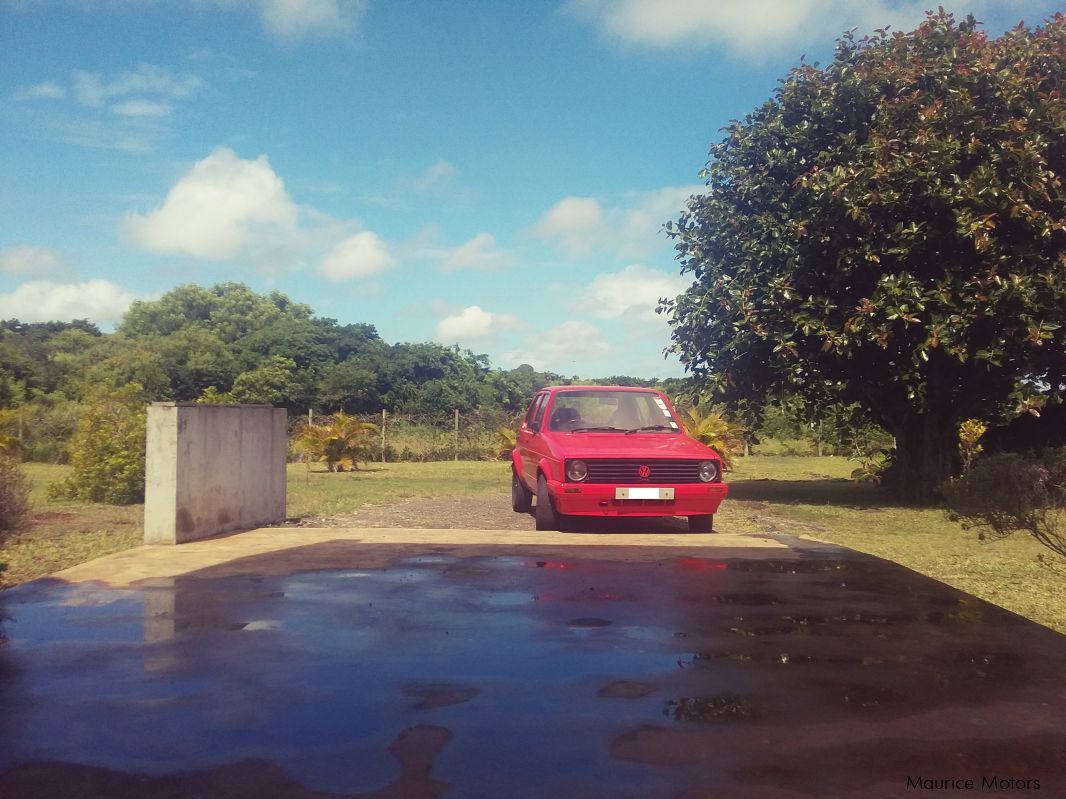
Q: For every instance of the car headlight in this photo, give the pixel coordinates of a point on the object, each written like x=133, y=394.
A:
x=576, y=471
x=708, y=471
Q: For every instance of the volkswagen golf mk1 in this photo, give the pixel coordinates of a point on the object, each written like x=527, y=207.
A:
x=611, y=451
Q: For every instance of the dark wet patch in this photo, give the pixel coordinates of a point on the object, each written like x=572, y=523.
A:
x=148, y=679
x=416, y=749
x=867, y=696
x=746, y=599
x=786, y=659
x=770, y=566
x=713, y=709
x=435, y=695
x=1009, y=660
x=626, y=689
x=804, y=620
x=588, y=622
x=853, y=768
x=758, y=632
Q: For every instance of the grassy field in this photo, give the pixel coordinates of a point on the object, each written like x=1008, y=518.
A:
x=806, y=496
x=319, y=493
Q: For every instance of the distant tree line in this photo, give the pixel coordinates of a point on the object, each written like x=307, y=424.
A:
x=227, y=343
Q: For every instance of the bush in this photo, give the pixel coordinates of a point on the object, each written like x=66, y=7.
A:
x=1009, y=493
x=14, y=498
x=107, y=450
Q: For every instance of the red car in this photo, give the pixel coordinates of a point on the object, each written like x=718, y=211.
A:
x=611, y=451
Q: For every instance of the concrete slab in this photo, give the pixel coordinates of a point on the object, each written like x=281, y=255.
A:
x=306, y=664
x=288, y=548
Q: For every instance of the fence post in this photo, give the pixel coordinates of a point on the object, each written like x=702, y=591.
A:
x=382, y=435
x=456, y=434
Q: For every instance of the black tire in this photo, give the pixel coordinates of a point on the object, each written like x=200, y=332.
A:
x=701, y=524
x=547, y=518
x=521, y=497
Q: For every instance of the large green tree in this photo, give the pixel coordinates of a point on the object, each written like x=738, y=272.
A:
x=889, y=231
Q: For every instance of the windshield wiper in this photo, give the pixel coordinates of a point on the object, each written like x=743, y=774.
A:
x=600, y=430
x=651, y=427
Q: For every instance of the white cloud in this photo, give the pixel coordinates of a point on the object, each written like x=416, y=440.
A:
x=480, y=252
x=474, y=323
x=563, y=348
x=358, y=256
x=217, y=210
x=142, y=108
x=147, y=81
x=579, y=226
x=295, y=19
x=755, y=27
x=632, y=293
x=99, y=301
x=436, y=177
x=48, y=90
x=29, y=260
x=575, y=223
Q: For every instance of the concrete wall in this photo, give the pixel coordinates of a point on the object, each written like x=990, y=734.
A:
x=212, y=468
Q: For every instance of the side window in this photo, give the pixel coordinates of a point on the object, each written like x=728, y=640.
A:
x=531, y=414
x=538, y=415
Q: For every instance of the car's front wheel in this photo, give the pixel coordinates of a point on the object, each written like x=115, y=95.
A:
x=547, y=518
x=521, y=497
x=701, y=524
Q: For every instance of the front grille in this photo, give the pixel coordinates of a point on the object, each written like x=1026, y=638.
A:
x=628, y=471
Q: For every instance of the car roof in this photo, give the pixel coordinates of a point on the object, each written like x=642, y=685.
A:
x=600, y=388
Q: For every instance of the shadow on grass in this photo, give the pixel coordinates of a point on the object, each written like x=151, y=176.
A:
x=830, y=491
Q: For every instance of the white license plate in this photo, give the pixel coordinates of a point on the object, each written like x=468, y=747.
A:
x=643, y=492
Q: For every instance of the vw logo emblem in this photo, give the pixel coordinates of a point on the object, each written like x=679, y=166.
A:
x=644, y=471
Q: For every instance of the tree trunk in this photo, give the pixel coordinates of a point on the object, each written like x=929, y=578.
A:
x=927, y=456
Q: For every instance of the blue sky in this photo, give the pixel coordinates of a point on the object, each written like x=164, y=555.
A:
x=492, y=174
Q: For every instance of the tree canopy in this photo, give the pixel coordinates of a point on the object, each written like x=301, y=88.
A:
x=890, y=230
x=227, y=343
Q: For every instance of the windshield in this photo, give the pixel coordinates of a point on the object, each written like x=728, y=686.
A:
x=608, y=411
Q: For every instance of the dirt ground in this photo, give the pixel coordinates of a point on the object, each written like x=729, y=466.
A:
x=477, y=512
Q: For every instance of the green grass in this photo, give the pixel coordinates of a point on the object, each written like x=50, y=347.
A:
x=812, y=497
x=806, y=496
x=66, y=533
x=320, y=493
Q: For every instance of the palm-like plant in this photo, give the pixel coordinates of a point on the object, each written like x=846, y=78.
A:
x=505, y=442
x=340, y=443
x=710, y=427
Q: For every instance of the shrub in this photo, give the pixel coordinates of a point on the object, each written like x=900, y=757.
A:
x=970, y=433
x=340, y=444
x=710, y=427
x=14, y=498
x=107, y=450
x=1008, y=493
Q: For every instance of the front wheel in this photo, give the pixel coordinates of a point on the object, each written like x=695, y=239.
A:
x=701, y=524
x=521, y=497
x=547, y=518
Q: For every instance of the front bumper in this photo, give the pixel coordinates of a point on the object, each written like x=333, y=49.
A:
x=597, y=499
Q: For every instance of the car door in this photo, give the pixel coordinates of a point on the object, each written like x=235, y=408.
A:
x=527, y=437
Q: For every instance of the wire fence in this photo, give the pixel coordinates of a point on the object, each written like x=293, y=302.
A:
x=403, y=437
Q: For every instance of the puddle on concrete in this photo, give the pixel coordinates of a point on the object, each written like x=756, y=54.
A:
x=770, y=566
x=589, y=622
x=713, y=709
x=746, y=599
x=521, y=675
x=430, y=696
x=778, y=658
x=867, y=696
x=626, y=689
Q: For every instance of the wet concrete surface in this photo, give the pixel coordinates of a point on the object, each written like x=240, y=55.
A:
x=580, y=672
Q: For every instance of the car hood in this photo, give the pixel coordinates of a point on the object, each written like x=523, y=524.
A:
x=637, y=445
